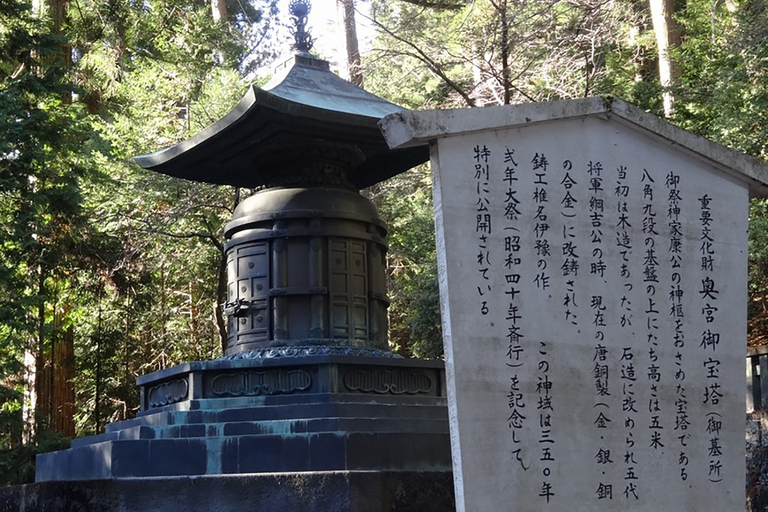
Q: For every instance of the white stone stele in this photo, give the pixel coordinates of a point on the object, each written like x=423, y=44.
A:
x=598, y=463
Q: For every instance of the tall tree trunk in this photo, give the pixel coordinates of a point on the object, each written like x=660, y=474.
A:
x=667, y=38
x=353, y=49
x=97, y=390
x=219, y=10
x=58, y=11
x=63, y=373
x=219, y=13
x=30, y=397
x=164, y=317
x=506, y=81
x=194, y=316
x=41, y=370
x=127, y=380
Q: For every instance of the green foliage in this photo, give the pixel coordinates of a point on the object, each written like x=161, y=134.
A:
x=405, y=203
x=45, y=143
x=11, y=424
x=758, y=272
x=459, y=55
x=429, y=55
x=722, y=94
x=17, y=465
x=129, y=259
x=46, y=148
x=158, y=73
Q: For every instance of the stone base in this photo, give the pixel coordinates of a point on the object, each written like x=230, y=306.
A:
x=268, y=415
x=337, y=491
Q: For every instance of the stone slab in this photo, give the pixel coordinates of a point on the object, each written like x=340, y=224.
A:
x=592, y=263
x=285, y=413
x=341, y=491
x=405, y=447
x=415, y=128
x=206, y=415
x=250, y=380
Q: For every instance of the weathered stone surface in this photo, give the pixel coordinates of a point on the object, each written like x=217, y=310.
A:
x=291, y=373
x=343, y=491
x=592, y=261
x=319, y=413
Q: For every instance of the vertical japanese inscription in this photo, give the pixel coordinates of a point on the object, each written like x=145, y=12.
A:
x=677, y=293
x=625, y=241
x=651, y=283
x=541, y=221
x=546, y=411
x=513, y=319
x=483, y=225
x=597, y=294
x=710, y=340
x=601, y=371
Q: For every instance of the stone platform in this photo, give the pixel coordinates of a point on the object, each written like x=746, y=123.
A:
x=339, y=491
x=289, y=411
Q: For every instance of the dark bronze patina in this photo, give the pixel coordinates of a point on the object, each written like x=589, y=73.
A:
x=305, y=254
x=283, y=129
x=299, y=10
x=308, y=384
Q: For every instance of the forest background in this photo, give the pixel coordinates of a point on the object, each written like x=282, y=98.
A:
x=108, y=272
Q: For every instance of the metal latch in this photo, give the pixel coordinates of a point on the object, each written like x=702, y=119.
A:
x=238, y=308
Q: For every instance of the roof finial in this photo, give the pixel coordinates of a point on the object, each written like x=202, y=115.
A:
x=299, y=10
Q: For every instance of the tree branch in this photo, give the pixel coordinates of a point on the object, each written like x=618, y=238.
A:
x=194, y=234
x=431, y=64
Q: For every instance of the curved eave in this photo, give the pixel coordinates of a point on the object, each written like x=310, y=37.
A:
x=257, y=105
x=307, y=104
x=161, y=158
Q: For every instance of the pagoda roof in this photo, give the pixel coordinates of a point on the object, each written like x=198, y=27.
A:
x=305, y=103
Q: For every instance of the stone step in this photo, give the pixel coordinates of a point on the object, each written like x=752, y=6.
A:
x=388, y=419
x=305, y=398
x=286, y=412
x=266, y=427
x=418, y=451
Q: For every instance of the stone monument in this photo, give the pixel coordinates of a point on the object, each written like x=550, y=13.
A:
x=308, y=387
x=593, y=266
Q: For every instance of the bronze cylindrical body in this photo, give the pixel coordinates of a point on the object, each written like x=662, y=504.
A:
x=306, y=267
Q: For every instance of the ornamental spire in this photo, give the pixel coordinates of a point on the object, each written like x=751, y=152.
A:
x=299, y=10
